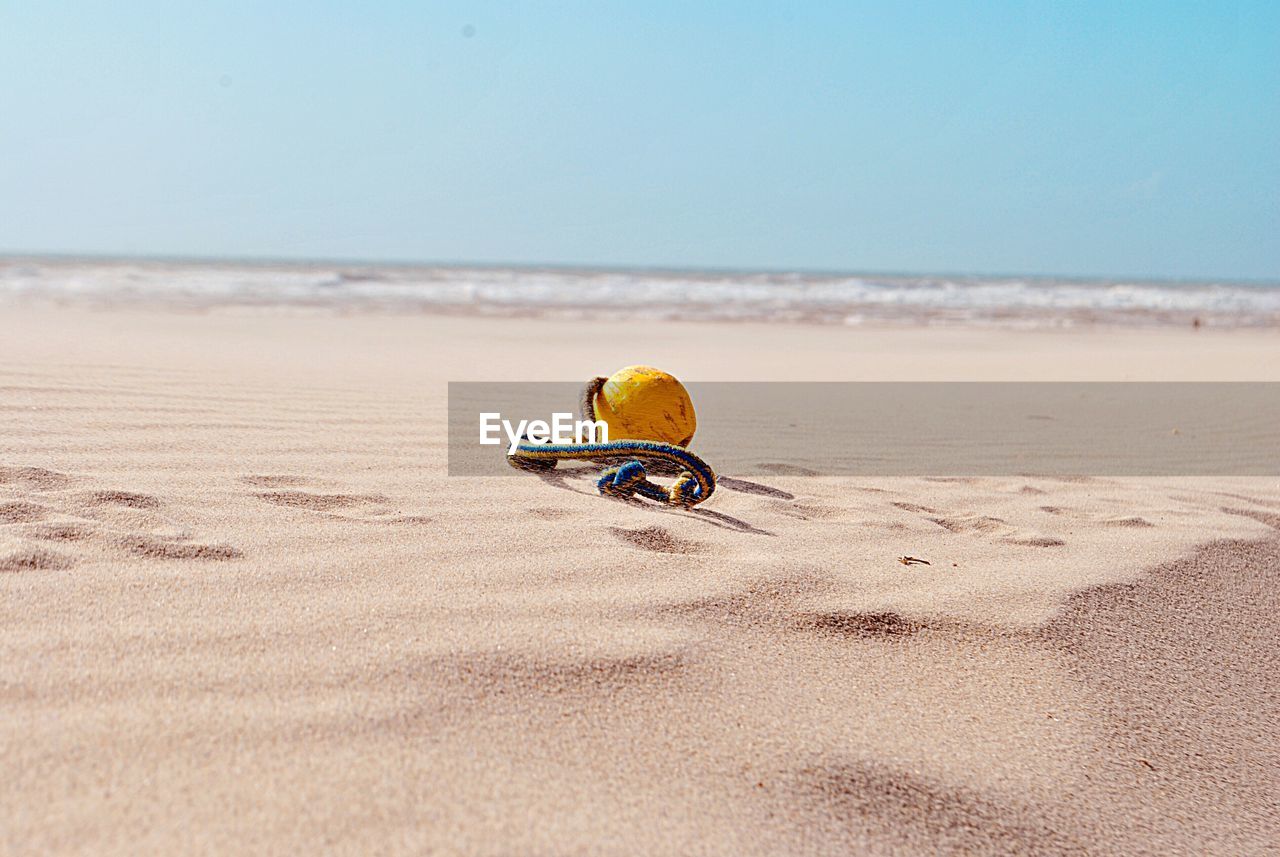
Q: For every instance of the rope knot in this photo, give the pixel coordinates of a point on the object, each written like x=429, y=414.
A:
x=623, y=480
x=685, y=492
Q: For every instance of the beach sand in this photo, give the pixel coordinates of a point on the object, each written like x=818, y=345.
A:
x=246, y=611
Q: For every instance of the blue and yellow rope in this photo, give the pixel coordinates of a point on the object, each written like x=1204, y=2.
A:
x=694, y=484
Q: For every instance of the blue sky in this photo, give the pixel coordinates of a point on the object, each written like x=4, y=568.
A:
x=1128, y=139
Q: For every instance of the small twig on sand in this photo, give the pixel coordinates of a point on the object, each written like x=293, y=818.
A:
x=912, y=560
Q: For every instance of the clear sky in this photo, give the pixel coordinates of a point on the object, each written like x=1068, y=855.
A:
x=1129, y=139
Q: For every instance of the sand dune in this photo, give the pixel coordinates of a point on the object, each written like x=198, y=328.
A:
x=246, y=610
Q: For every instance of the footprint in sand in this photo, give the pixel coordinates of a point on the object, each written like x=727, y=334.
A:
x=278, y=481
x=19, y=512
x=786, y=604
x=33, y=478
x=912, y=507
x=805, y=511
x=1035, y=541
x=97, y=523
x=154, y=548
x=869, y=625
x=321, y=502
x=370, y=508
x=858, y=792
x=548, y=513
x=656, y=539
x=127, y=512
x=973, y=524
x=1127, y=521
x=33, y=560
x=987, y=526
x=128, y=499
x=140, y=528
x=53, y=532
x=997, y=528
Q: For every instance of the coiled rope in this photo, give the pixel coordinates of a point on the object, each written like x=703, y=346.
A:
x=625, y=475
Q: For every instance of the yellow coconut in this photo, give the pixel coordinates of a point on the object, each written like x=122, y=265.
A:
x=643, y=403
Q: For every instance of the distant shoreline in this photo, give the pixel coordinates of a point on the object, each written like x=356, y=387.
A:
x=607, y=295
x=53, y=258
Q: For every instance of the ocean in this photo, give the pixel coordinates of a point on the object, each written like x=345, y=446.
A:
x=847, y=299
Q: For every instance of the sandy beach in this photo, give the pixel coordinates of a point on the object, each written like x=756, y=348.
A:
x=247, y=611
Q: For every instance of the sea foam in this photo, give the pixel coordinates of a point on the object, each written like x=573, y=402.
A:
x=608, y=294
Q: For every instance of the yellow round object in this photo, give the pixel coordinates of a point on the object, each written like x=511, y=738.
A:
x=643, y=403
